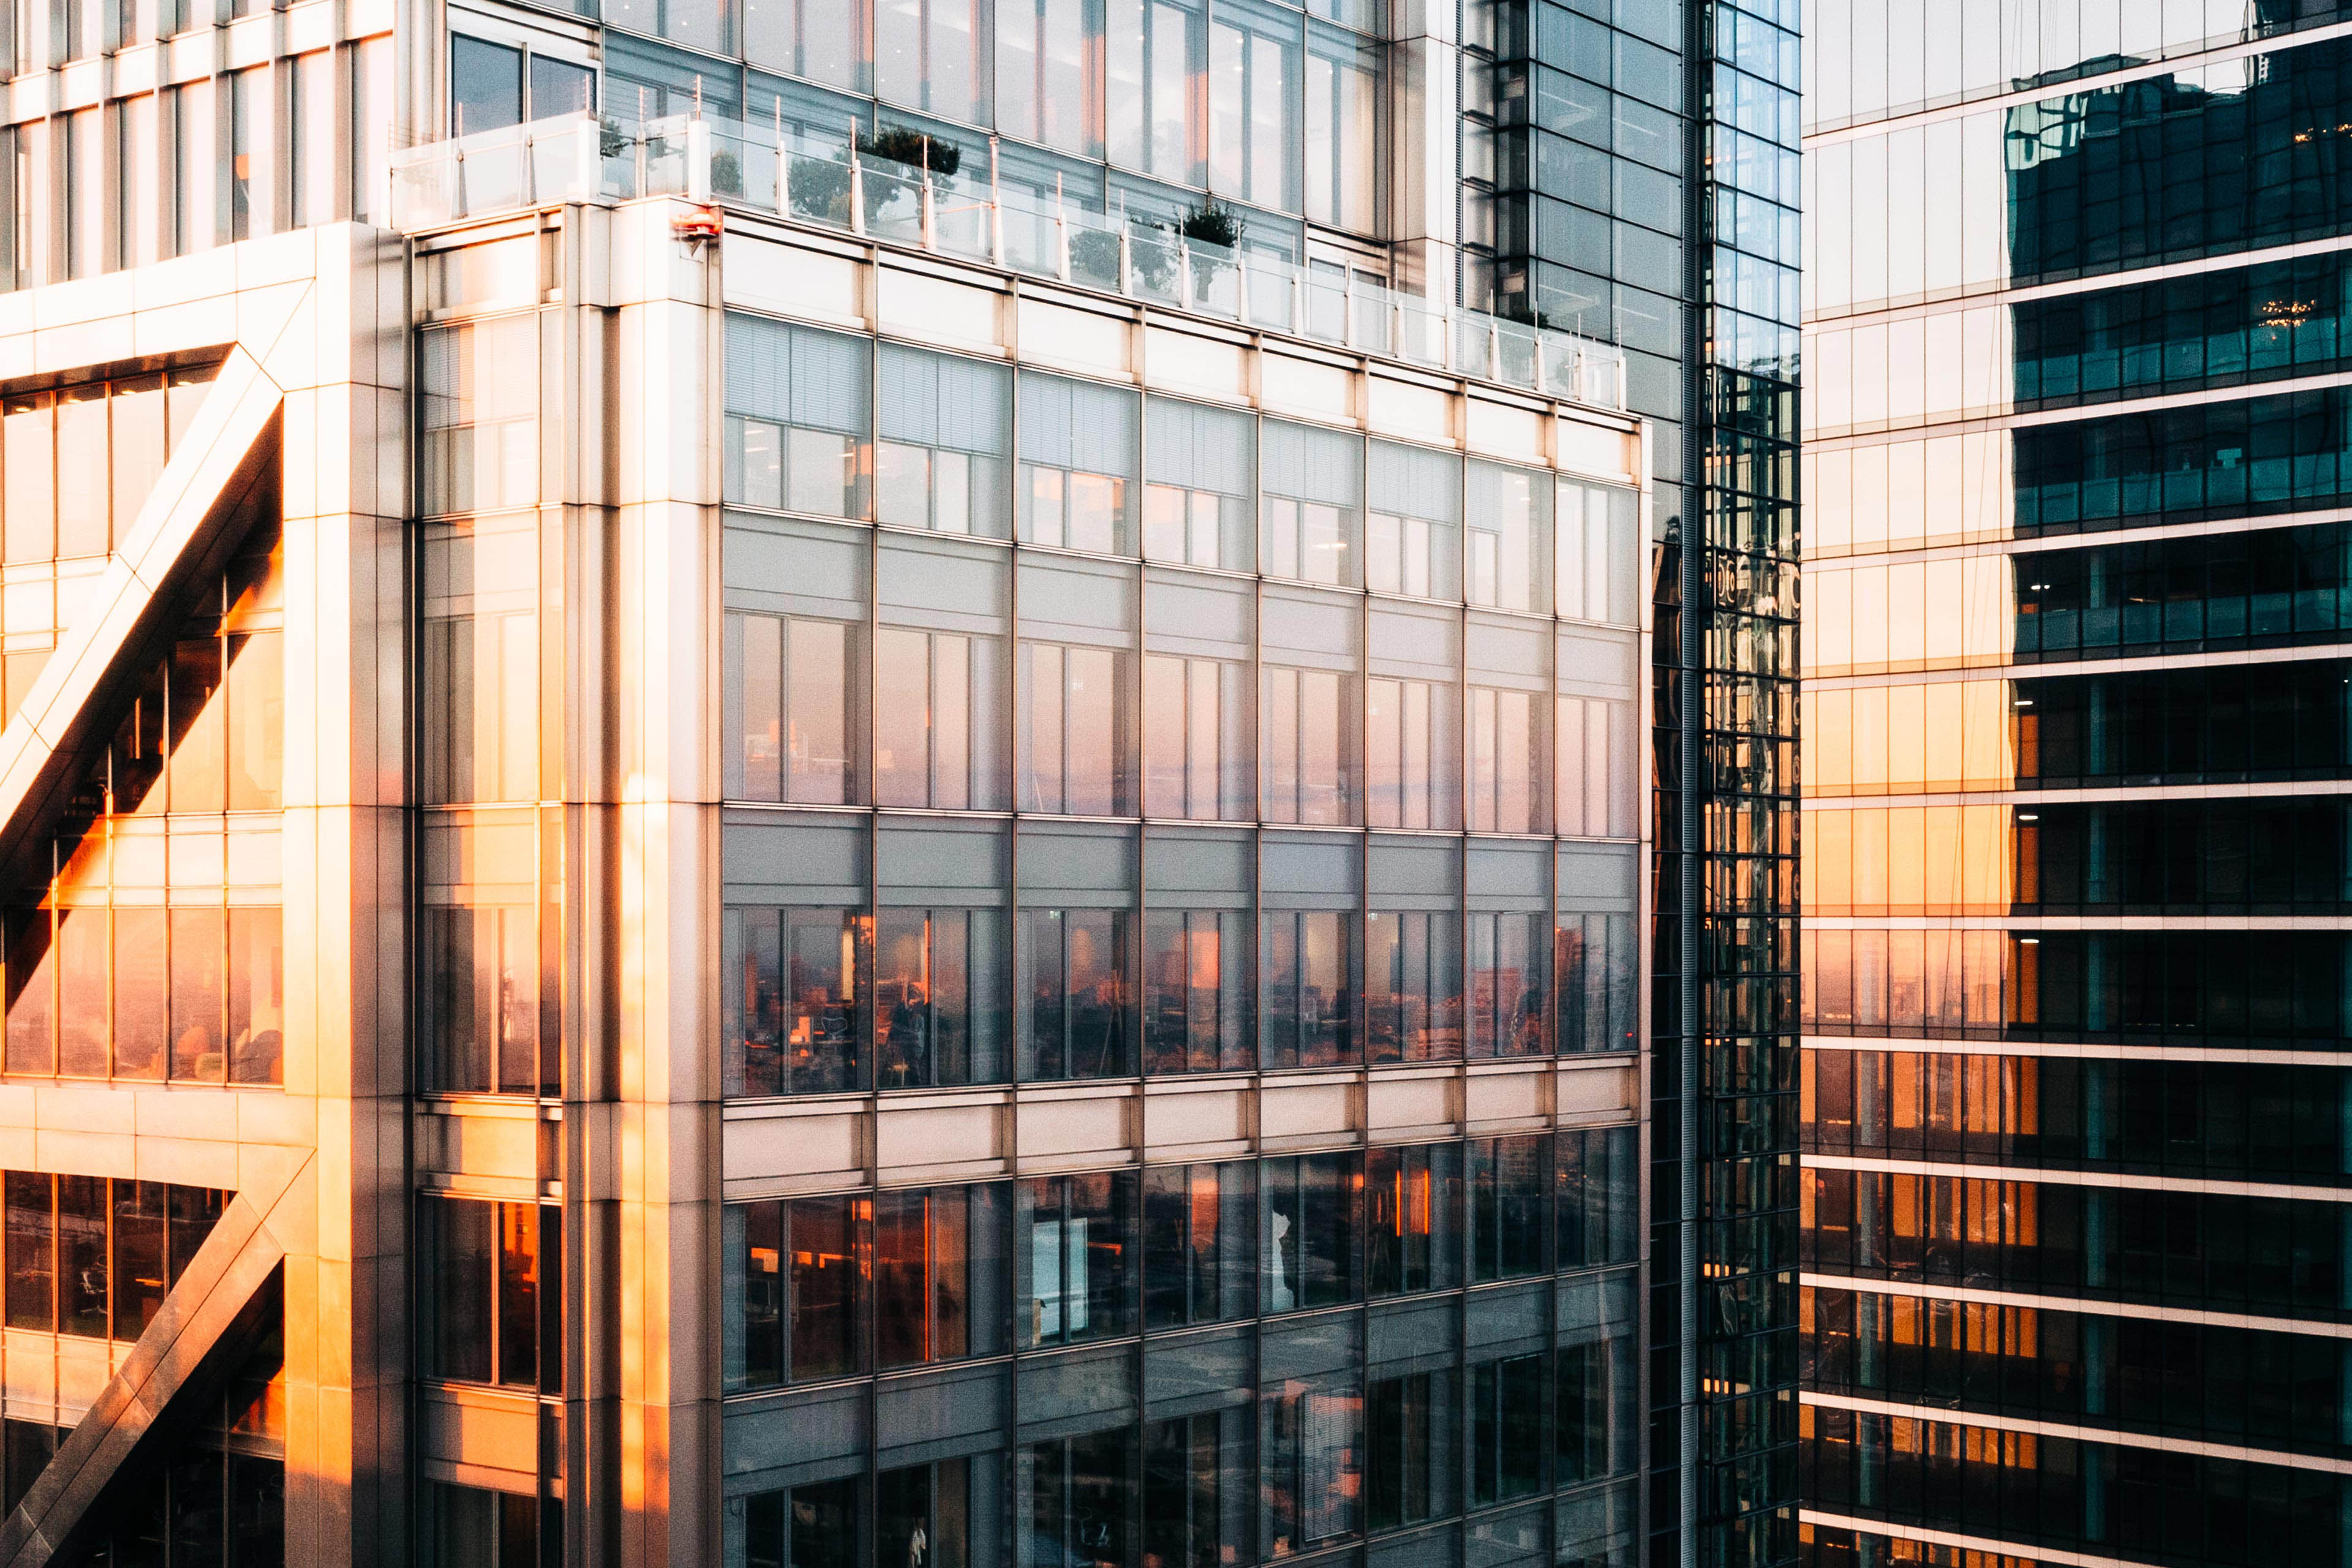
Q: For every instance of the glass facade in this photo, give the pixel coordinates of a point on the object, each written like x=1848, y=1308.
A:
x=1101, y=737
x=1724, y=716
x=2074, y=989
x=949, y=869
x=1283, y=1351
x=1117, y=906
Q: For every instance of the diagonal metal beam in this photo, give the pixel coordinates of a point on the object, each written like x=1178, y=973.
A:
x=195, y=1331
x=47, y=745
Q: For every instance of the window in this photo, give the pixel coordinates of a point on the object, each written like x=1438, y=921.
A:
x=1598, y=960
x=81, y=462
x=1076, y=1266
x=1074, y=965
x=1077, y=757
x=940, y=1269
x=1599, y=554
x=479, y=724
x=559, y=87
x=196, y=224
x=1049, y=73
x=485, y=86
x=1408, y=754
x=794, y=1002
x=821, y=40
x=931, y=55
x=1253, y=104
x=141, y=441
x=1600, y=1197
x=481, y=428
x=83, y=188
x=1506, y=761
x=704, y=24
x=1200, y=1475
x=1413, y=1209
x=136, y=22
x=311, y=138
x=1198, y=479
x=1080, y=1491
x=1307, y=1002
x=940, y=1012
x=1413, y=987
x=798, y=419
x=1196, y=749
x=1311, y=1434
x=1196, y=991
x=1410, y=1462
x=1507, y=1427
x=142, y=201
x=817, y=1524
x=82, y=1256
x=192, y=984
x=1314, y=1217
x=1593, y=777
x=30, y=514
x=1309, y=745
x=481, y=1014
x=1159, y=50
x=1313, y=484
x=81, y=472
x=83, y=21
x=32, y=1250
x=471, y=1526
x=797, y=1275
x=1343, y=132
x=791, y=689
x=1077, y=465
x=941, y=459
x=1412, y=533
x=487, y=1319
x=249, y=193
x=1596, y=1418
x=1510, y=1184
x=1508, y=952
x=69, y=1273
x=940, y=1506
x=1510, y=521
x=1200, y=1241
x=939, y=703
x=492, y=86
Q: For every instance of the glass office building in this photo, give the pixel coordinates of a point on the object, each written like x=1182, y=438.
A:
x=2076, y=962
x=825, y=782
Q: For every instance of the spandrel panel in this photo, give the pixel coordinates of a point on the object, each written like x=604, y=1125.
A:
x=1076, y=486
x=1200, y=485
x=943, y=457
x=1311, y=510
x=1509, y=555
x=799, y=418
x=1413, y=527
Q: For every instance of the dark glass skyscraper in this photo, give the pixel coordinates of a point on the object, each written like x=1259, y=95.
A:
x=859, y=783
x=1654, y=194
x=2077, y=850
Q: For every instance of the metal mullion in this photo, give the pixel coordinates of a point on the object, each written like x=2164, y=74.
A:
x=106, y=1225
x=1359, y=1003
x=870, y=1067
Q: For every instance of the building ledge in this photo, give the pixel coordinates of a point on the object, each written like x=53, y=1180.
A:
x=840, y=189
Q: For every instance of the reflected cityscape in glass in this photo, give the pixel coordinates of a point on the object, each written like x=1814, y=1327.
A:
x=2074, y=838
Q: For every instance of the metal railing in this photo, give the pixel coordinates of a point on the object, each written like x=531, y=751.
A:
x=849, y=188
